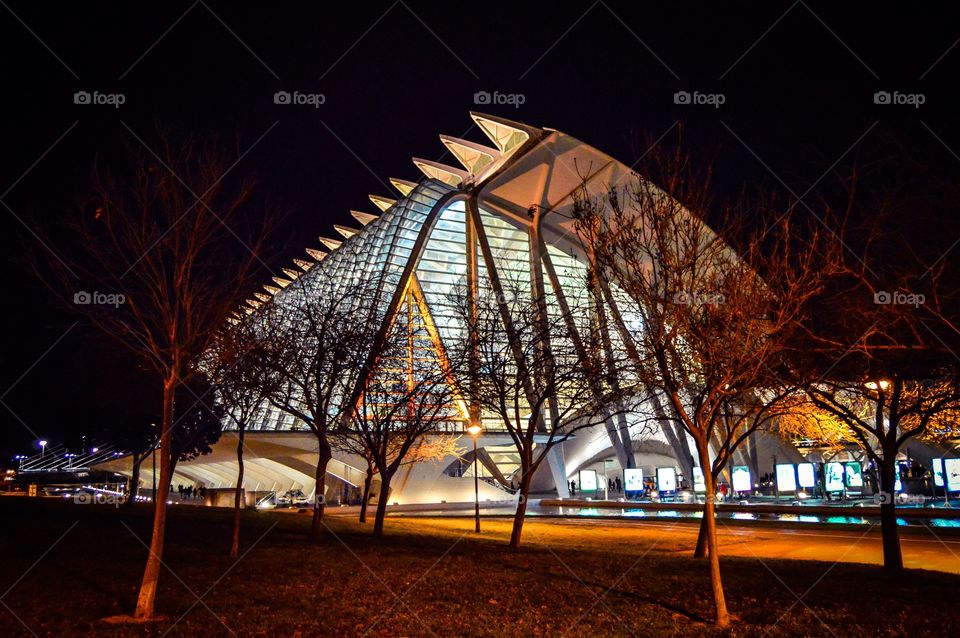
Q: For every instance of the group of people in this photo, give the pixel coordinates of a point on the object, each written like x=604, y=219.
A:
x=191, y=491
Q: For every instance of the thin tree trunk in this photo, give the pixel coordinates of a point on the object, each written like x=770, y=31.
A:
x=521, y=512
x=381, y=514
x=325, y=453
x=237, y=497
x=710, y=521
x=151, y=573
x=367, y=481
x=134, y=480
x=890, y=534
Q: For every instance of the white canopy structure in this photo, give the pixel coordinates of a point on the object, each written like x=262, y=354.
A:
x=472, y=224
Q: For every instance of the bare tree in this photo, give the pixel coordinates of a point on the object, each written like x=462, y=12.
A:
x=234, y=365
x=706, y=326
x=410, y=393
x=881, y=361
x=537, y=366
x=317, y=334
x=161, y=252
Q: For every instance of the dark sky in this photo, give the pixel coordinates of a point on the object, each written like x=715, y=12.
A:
x=797, y=79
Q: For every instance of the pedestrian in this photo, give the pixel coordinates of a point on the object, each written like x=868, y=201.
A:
x=573, y=488
x=619, y=484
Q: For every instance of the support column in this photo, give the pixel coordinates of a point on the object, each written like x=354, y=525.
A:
x=558, y=470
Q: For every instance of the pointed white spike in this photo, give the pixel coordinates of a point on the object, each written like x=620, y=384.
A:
x=291, y=273
x=316, y=254
x=363, y=218
x=283, y=283
x=233, y=321
x=332, y=244
x=262, y=296
x=506, y=134
x=383, y=203
x=474, y=157
x=304, y=264
x=446, y=174
x=271, y=289
x=404, y=186
x=248, y=311
x=346, y=231
x=254, y=304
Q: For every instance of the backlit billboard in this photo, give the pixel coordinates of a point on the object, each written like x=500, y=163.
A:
x=666, y=479
x=786, y=479
x=741, y=479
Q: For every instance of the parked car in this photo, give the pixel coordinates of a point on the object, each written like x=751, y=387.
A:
x=292, y=498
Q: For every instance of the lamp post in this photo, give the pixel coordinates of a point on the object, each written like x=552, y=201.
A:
x=474, y=431
x=43, y=447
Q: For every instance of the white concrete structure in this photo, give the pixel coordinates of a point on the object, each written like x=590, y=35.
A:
x=427, y=237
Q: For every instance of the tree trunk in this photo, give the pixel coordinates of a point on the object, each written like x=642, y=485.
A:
x=710, y=524
x=890, y=534
x=381, y=514
x=325, y=453
x=518, y=517
x=701, y=549
x=367, y=481
x=151, y=573
x=238, y=496
x=134, y=480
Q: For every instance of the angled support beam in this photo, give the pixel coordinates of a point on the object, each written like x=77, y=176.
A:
x=399, y=294
x=474, y=211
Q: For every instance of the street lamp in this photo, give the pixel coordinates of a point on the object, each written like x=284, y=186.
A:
x=43, y=447
x=474, y=431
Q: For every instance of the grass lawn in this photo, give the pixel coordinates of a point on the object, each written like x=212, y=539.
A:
x=428, y=577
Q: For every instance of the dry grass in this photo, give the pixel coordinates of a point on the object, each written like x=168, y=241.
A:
x=430, y=577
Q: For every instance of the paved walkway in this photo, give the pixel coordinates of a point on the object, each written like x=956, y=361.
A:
x=922, y=549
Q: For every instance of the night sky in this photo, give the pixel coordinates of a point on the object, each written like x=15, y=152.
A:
x=797, y=79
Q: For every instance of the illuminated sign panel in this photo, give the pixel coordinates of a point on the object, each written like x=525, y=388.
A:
x=666, y=479
x=951, y=470
x=698, y=483
x=806, y=475
x=938, y=472
x=633, y=480
x=833, y=477
x=854, y=474
x=588, y=481
x=786, y=479
x=741, y=479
